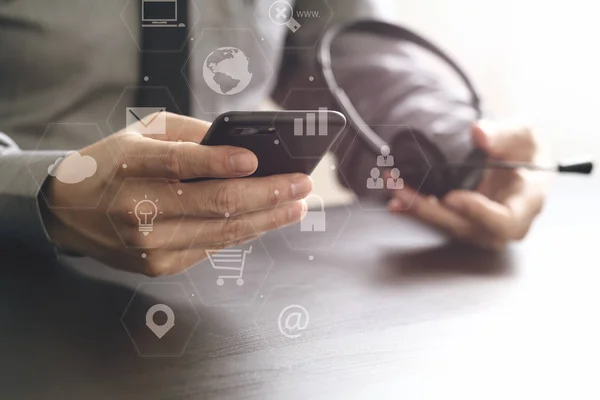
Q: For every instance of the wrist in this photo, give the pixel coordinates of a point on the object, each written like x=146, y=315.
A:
x=53, y=224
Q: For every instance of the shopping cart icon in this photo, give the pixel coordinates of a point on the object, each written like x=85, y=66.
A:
x=232, y=260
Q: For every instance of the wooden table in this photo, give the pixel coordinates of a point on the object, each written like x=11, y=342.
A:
x=394, y=313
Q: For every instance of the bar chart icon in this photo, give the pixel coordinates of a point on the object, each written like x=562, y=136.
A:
x=312, y=127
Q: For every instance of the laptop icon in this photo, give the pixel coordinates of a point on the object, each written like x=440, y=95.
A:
x=160, y=14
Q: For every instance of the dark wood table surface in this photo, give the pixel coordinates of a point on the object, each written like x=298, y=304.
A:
x=395, y=312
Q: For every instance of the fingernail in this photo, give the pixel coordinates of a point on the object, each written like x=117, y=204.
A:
x=242, y=162
x=301, y=188
x=304, y=209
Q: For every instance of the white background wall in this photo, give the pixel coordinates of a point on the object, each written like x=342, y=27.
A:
x=533, y=60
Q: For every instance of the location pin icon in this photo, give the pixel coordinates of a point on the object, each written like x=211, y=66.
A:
x=160, y=330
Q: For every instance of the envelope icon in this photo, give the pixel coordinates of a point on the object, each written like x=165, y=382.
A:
x=147, y=120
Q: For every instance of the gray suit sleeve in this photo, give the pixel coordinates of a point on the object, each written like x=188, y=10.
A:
x=388, y=84
x=21, y=175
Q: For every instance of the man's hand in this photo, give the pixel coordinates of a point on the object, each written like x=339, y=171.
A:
x=506, y=201
x=154, y=167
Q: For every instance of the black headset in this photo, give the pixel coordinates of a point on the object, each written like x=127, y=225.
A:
x=434, y=175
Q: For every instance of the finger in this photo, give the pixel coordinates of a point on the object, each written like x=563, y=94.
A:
x=166, y=234
x=151, y=262
x=431, y=212
x=200, y=239
x=215, y=234
x=229, y=198
x=181, y=234
x=509, y=220
x=188, y=129
x=524, y=207
x=221, y=232
x=161, y=262
x=495, y=218
x=178, y=127
x=143, y=195
x=505, y=140
x=173, y=160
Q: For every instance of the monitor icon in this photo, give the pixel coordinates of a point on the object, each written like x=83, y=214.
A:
x=160, y=14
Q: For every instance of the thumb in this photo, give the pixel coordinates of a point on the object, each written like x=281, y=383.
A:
x=476, y=207
x=507, y=141
x=178, y=127
x=185, y=160
x=192, y=129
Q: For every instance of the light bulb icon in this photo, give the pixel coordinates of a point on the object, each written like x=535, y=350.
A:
x=146, y=212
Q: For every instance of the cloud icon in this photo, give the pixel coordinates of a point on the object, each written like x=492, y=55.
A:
x=74, y=168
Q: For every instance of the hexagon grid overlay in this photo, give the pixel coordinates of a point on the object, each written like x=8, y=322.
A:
x=314, y=130
x=127, y=112
x=293, y=319
x=156, y=20
x=382, y=176
x=231, y=69
x=160, y=319
x=319, y=229
x=137, y=202
x=74, y=169
x=231, y=276
x=230, y=322
x=294, y=18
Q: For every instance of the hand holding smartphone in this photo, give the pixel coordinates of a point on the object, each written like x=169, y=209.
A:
x=284, y=142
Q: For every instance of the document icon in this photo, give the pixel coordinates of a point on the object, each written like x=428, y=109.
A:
x=147, y=120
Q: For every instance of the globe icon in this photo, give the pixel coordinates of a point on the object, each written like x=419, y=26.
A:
x=227, y=71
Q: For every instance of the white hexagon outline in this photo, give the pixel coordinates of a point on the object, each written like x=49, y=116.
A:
x=197, y=43
x=312, y=290
x=40, y=184
x=259, y=287
x=336, y=142
x=417, y=190
x=210, y=330
x=112, y=112
x=117, y=195
x=320, y=248
x=198, y=320
x=317, y=41
x=190, y=30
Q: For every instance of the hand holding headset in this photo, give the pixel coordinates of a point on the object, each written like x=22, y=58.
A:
x=442, y=176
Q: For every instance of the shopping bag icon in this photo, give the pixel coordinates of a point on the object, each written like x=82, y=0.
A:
x=315, y=221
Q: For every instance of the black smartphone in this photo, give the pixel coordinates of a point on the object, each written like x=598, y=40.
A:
x=284, y=141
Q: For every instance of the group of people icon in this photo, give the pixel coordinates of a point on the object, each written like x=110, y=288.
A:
x=385, y=160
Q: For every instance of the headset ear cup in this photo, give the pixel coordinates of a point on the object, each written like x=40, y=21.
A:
x=425, y=168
